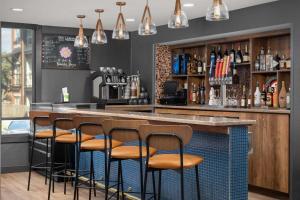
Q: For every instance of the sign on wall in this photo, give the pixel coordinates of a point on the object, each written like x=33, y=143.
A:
x=58, y=52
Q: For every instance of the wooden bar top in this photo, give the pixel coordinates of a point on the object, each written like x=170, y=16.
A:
x=212, y=108
x=171, y=118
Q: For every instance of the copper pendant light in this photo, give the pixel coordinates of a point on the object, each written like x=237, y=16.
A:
x=147, y=26
x=99, y=36
x=81, y=40
x=218, y=11
x=178, y=18
x=120, y=32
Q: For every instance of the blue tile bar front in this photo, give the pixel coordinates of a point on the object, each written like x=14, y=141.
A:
x=223, y=174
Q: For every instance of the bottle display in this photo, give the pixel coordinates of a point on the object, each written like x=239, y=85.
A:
x=283, y=96
x=257, y=96
x=239, y=56
x=269, y=60
x=202, y=94
x=246, y=56
x=249, y=101
x=275, y=97
x=244, y=98
x=262, y=60
x=269, y=101
x=232, y=54
x=263, y=97
x=288, y=99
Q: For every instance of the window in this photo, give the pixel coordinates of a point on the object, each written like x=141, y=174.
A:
x=16, y=78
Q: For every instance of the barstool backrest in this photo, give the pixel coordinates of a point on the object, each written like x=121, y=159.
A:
x=40, y=118
x=63, y=120
x=90, y=125
x=166, y=137
x=123, y=130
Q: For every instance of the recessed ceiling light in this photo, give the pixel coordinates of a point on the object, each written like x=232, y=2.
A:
x=17, y=9
x=130, y=20
x=188, y=5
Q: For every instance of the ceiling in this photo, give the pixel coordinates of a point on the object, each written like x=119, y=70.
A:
x=63, y=12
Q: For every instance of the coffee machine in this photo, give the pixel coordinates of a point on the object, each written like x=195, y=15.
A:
x=109, y=86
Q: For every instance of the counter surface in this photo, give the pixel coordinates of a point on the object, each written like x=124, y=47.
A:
x=210, y=108
x=185, y=119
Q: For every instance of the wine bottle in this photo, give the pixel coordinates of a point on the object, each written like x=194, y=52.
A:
x=212, y=63
x=244, y=98
x=269, y=101
x=219, y=54
x=263, y=98
x=262, y=60
x=200, y=66
x=282, y=96
x=232, y=54
x=276, y=62
x=257, y=96
x=288, y=99
x=269, y=60
x=249, y=101
x=246, y=57
x=257, y=64
x=239, y=56
x=235, y=77
x=202, y=93
x=275, y=97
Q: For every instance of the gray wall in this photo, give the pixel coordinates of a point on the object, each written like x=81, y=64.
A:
x=276, y=13
x=49, y=81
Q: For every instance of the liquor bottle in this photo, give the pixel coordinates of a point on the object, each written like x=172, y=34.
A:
x=244, y=98
x=257, y=64
x=219, y=54
x=138, y=85
x=288, y=99
x=194, y=94
x=282, y=96
x=212, y=63
x=269, y=60
x=239, y=56
x=226, y=53
x=232, y=54
x=246, y=57
x=249, y=101
x=269, y=101
x=200, y=66
x=262, y=60
x=133, y=89
x=275, y=97
x=257, y=96
x=194, y=64
x=235, y=76
x=202, y=93
x=276, y=61
x=282, y=62
x=263, y=97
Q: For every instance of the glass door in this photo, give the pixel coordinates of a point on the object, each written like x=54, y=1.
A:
x=16, y=79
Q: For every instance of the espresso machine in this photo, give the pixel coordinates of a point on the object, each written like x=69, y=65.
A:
x=108, y=86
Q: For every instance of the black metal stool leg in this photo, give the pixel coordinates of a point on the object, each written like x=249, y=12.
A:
x=159, y=184
x=119, y=177
x=30, y=165
x=51, y=180
x=182, y=183
x=145, y=183
x=46, y=167
x=108, y=174
x=76, y=173
x=93, y=173
x=91, y=176
x=122, y=182
x=65, y=169
x=197, y=182
x=141, y=177
x=153, y=183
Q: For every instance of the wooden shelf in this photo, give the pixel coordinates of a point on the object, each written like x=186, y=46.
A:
x=179, y=75
x=284, y=70
x=196, y=75
x=264, y=72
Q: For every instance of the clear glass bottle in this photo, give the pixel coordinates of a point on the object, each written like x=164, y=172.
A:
x=262, y=60
x=257, y=96
x=269, y=60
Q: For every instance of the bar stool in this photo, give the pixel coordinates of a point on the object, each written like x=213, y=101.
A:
x=41, y=118
x=169, y=138
x=125, y=131
x=63, y=121
x=91, y=125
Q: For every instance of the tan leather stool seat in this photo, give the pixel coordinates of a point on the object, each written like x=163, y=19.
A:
x=71, y=138
x=98, y=144
x=130, y=152
x=49, y=133
x=172, y=161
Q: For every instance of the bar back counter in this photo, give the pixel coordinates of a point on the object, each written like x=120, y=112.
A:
x=222, y=142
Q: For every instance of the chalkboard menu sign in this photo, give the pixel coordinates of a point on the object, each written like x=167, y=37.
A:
x=58, y=52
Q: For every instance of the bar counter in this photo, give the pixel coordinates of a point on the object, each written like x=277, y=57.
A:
x=223, y=142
